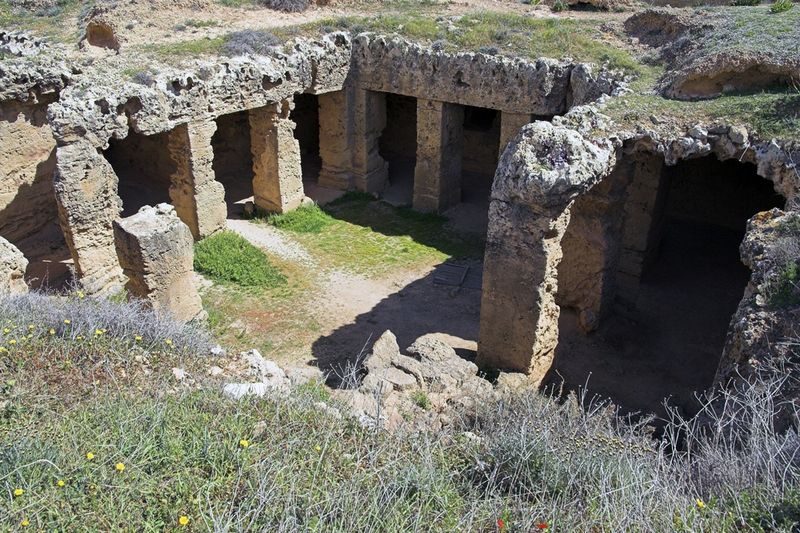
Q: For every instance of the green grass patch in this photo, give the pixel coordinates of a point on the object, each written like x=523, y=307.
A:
x=367, y=236
x=304, y=219
x=784, y=291
x=228, y=257
x=507, y=33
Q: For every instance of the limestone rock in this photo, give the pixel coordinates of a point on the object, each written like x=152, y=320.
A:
x=12, y=269
x=156, y=252
x=17, y=43
x=237, y=391
x=300, y=375
x=261, y=368
x=759, y=331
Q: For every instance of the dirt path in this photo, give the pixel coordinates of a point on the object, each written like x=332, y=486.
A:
x=353, y=310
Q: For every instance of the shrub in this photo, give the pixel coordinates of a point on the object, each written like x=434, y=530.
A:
x=249, y=42
x=229, y=257
x=489, y=50
x=420, y=399
x=559, y=5
x=72, y=323
x=746, y=2
x=289, y=6
x=304, y=219
x=779, y=6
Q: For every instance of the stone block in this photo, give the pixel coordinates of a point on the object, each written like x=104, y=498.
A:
x=155, y=250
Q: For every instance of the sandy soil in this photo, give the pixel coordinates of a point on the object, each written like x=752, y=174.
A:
x=354, y=310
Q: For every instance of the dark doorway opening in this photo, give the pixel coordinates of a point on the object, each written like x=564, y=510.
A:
x=233, y=161
x=398, y=147
x=667, y=341
x=144, y=167
x=479, y=159
x=306, y=117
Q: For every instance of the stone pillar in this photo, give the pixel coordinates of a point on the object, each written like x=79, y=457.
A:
x=370, y=170
x=440, y=141
x=528, y=216
x=277, y=174
x=198, y=198
x=86, y=194
x=351, y=122
x=12, y=269
x=335, y=134
x=510, y=124
x=156, y=251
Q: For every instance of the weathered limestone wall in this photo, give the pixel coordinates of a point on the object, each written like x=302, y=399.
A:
x=353, y=120
x=440, y=141
x=156, y=252
x=12, y=269
x=510, y=124
x=27, y=163
x=591, y=249
x=277, y=174
x=198, y=198
x=540, y=174
x=86, y=192
x=542, y=87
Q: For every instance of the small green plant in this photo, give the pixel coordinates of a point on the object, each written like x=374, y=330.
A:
x=420, y=399
x=559, y=5
x=746, y=2
x=289, y=6
x=228, y=257
x=785, y=289
x=250, y=42
x=779, y=6
x=304, y=219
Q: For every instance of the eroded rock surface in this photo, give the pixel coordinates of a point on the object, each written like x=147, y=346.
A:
x=156, y=252
x=12, y=269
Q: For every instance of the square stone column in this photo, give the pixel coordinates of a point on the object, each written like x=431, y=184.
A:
x=277, y=174
x=335, y=136
x=156, y=252
x=510, y=124
x=440, y=142
x=87, y=199
x=351, y=122
x=198, y=198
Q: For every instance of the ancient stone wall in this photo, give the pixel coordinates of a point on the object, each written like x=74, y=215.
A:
x=27, y=163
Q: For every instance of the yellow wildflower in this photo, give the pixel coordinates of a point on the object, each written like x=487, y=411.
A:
x=6, y=330
x=31, y=327
x=98, y=332
x=80, y=294
x=700, y=503
x=119, y=467
x=52, y=331
x=25, y=522
x=3, y=349
x=67, y=321
x=244, y=443
x=89, y=455
x=19, y=492
x=79, y=338
x=12, y=342
x=138, y=338
x=183, y=520
x=168, y=342
x=318, y=448
x=61, y=483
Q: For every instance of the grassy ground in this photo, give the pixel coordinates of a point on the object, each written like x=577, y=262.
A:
x=769, y=114
x=356, y=234
x=128, y=450
x=369, y=237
